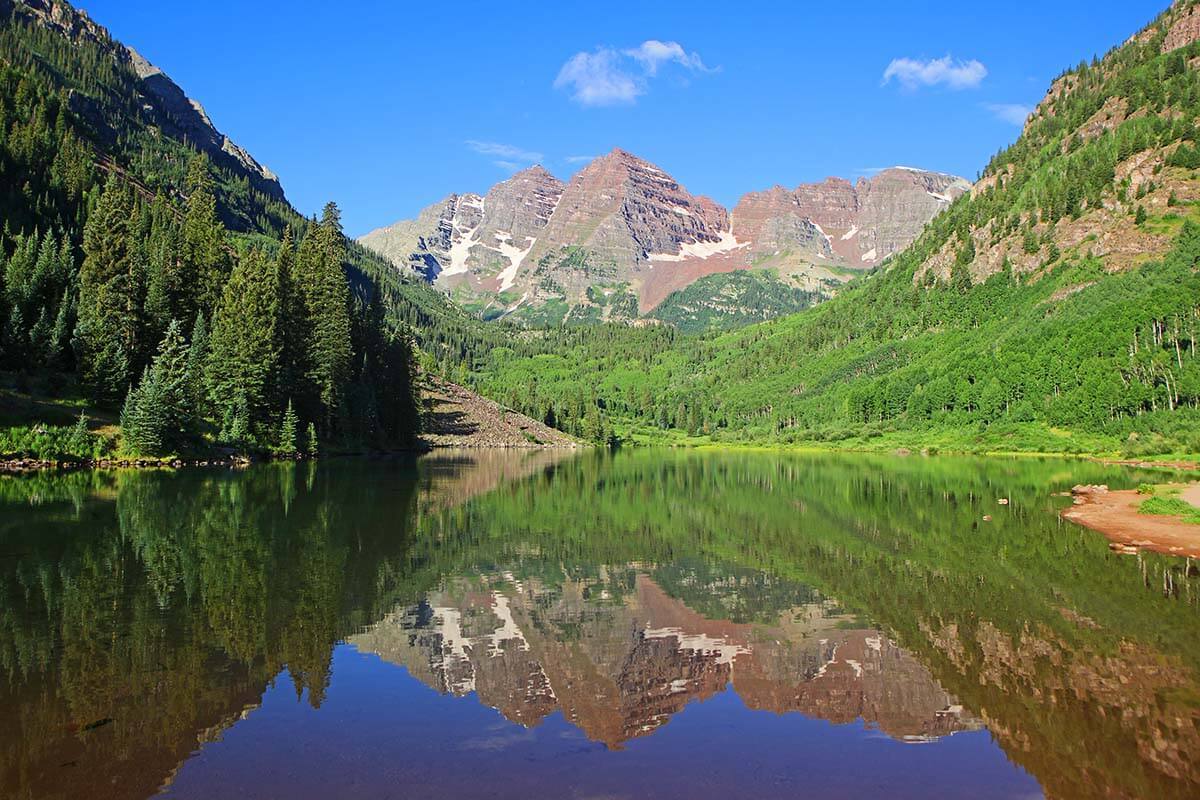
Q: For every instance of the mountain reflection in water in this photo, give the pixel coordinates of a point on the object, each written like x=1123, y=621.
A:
x=619, y=656
x=649, y=624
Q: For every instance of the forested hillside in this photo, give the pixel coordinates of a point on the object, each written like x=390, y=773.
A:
x=137, y=274
x=1055, y=307
x=153, y=272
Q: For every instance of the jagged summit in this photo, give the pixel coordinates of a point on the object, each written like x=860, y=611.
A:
x=622, y=234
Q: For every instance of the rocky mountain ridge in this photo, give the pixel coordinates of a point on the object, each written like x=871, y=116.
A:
x=160, y=100
x=622, y=235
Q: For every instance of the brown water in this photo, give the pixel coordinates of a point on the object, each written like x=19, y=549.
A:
x=653, y=624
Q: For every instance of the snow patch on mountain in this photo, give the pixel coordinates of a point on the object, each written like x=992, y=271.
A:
x=702, y=250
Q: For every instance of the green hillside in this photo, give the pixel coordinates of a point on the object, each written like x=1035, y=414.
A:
x=963, y=340
x=150, y=277
x=732, y=300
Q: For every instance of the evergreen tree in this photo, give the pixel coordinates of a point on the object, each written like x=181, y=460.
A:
x=60, y=337
x=81, y=441
x=107, y=328
x=197, y=359
x=321, y=282
x=292, y=329
x=204, y=256
x=244, y=349
x=288, y=429
x=143, y=423
x=158, y=412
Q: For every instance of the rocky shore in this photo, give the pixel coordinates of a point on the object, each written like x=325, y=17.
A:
x=1115, y=514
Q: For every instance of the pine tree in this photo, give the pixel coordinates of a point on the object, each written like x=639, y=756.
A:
x=237, y=431
x=60, y=337
x=288, y=429
x=244, y=349
x=321, y=283
x=81, y=443
x=143, y=423
x=197, y=358
x=107, y=330
x=311, y=445
x=292, y=330
x=14, y=345
x=203, y=250
x=158, y=412
x=40, y=336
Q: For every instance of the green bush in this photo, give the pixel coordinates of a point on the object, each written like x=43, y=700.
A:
x=54, y=442
x=1171, y=506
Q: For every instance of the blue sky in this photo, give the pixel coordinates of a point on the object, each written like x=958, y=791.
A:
x=385, y=106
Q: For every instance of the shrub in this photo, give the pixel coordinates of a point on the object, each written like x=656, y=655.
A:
x=54, y=442
x=1171, y=506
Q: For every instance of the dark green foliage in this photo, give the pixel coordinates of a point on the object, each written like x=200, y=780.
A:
x=243, y=358
x=112, y=226
x=321, y=286
x=107, y=335
x=158, y=413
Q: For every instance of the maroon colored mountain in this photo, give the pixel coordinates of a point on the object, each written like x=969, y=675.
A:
x=623, y=234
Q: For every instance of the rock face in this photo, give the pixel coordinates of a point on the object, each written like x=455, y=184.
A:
x=623, y=234
x=854, y=225
x=165, y=105
x=473, y=240
x=633, y=661
x=1185, y=29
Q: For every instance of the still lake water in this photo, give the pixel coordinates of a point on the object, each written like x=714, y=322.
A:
x=651, y=624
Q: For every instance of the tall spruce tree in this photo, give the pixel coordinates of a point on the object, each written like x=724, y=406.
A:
x=107, y=330
x=198, y=347
x=243, y=355
x=321, y=283
x=205, y=259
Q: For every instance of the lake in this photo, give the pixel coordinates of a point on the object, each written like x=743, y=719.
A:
x=543, y=624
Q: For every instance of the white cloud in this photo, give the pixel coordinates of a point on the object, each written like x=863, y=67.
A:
x=913, y=73
x=652, y=53
x=608, y=77
x=599, y=79
x=1012, y=113
x=579, y=159
x=506, y=156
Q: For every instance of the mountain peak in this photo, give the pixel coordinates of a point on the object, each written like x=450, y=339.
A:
x=535, y=171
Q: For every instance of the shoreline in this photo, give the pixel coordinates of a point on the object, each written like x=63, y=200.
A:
x=1175, y=462
x=1115, y=514
x=25, y=466
x=16, y=466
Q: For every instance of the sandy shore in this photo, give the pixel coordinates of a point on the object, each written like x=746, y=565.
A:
x=1115, y=514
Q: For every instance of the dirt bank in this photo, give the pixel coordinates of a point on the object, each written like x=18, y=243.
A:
x=1115, y=514
x=457, y=417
